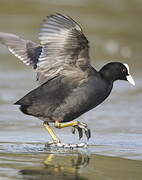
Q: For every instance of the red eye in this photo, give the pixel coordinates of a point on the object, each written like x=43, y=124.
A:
x=123, y=70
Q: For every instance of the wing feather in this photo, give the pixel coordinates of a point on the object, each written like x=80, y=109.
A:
x=64, y=44
x=64, y=49
x=27, y=51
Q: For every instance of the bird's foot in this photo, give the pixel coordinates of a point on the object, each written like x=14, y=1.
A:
x=66, y=146
x=80, y=127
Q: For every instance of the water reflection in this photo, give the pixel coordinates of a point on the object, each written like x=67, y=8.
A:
x=59, y=166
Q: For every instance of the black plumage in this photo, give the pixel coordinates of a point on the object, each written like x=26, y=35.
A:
x=58, y=99
x=69, y=85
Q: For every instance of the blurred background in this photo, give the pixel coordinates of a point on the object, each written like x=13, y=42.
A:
x=114, y=30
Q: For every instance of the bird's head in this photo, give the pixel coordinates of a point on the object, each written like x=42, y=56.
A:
x=117, y=71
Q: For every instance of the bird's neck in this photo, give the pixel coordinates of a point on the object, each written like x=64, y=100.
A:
x=106, y=74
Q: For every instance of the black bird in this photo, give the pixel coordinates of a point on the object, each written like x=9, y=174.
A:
x=69, y=85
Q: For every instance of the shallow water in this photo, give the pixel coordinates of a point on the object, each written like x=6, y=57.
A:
x=115, y=149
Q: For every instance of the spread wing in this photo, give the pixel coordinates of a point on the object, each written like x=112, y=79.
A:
x=65, y=48
x=27, y=51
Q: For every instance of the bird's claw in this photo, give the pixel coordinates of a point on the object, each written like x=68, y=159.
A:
x=80, y=128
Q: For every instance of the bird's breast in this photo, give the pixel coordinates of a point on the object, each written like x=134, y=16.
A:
x=84, y=98
x=96, y=91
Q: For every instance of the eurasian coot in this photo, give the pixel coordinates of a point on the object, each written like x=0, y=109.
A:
x=69, y=85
